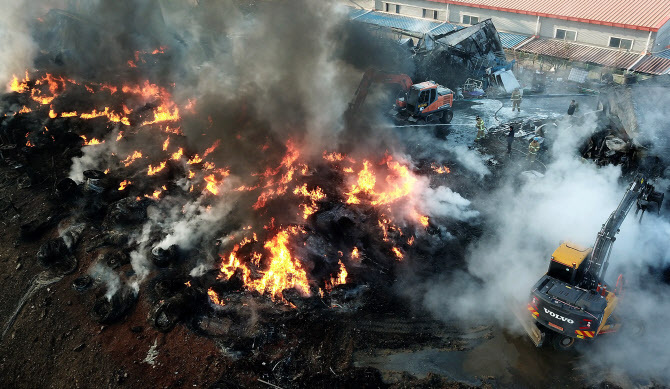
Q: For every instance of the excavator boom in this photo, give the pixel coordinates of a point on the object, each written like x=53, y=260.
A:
x=375, y=76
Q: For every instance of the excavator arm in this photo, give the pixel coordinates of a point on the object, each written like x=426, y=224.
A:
x=375, y=76
x=639, y=192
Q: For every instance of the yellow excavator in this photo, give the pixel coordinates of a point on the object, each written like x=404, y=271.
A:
x=572, y=301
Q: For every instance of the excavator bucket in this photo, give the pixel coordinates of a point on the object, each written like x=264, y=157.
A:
x=524, y=317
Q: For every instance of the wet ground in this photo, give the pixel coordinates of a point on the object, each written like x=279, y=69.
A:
x=493, y=357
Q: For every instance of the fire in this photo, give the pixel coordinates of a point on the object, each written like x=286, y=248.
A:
x=439, y=169
x=355, y=255
x=214, y=146
x=19, y=86
x=214, y=298
x=25, y=109
x=399, y=184
x=131, y=158
x=153, y=170
x=196, y=159
x=68, y=114
x=52, y=114
x=212, y=184
x=111, y=116
x=166, y=144
x=341, y=276
x=191, y=174
x=156, y=195
x=397, y=253
x=177, y=156
x=91, y=142
x=423, y=220
x=314, y=196
x=366, y=184
x=163, y=114
x=333, y=157
x=124, y=184
x=284, y=271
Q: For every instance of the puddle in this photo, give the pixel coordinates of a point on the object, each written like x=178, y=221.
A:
x=511, y=359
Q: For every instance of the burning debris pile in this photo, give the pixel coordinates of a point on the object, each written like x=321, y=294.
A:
x=295, y=232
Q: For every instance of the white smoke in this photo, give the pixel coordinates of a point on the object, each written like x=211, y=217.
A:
x=102, y=273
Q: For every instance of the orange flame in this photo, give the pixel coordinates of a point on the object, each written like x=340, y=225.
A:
x=439, y=169
x=163, y=114
x=212, y=184
x=397, y=253
x=19, y=86
x=314, y=196
x=153, y=170
x=166, y=144
x=212, y=148
x=355, y=255
x=131, y=158
x=214, y=298
x=124, y=184
x=91, y=142
x=176, y=156
x=196, y=159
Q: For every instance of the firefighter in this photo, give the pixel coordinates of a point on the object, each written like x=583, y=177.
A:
x=572, y=107
x=481, y=127
x=510, y=139
x=516, y=100
x=533, y=148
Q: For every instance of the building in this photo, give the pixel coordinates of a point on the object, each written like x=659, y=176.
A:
x=622, y=34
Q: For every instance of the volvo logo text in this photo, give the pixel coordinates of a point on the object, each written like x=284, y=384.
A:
x=559, y=317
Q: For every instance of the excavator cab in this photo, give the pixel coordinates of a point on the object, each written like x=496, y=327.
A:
x=418, y=100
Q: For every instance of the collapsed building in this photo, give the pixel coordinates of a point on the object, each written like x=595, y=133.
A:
x=474, y=52
x=470, y=58
x=632, y=130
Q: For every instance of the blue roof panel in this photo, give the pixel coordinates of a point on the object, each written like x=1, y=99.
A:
x=444, y=28
x=399, y=22
x=663, y=54
x=356, y=12
x=511, y=40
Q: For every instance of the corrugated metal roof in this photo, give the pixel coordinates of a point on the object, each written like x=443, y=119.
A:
x=395, y=21
x=581, y=53
x=511, y=40
x=647, y=15
x=652, y=64
x=444, y=28
x=663, y=54
x=356, y=12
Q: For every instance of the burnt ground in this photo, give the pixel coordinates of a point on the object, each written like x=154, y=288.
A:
x=374, y=339
x=56, y=341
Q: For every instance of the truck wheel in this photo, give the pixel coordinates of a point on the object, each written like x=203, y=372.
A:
x=562, y=342
x=447, y=116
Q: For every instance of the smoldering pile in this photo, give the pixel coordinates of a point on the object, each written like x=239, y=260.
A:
x=159, y=216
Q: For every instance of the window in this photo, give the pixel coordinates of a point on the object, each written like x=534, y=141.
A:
x=566, y=35
x=397, y=8
x=429, y=13
x=468, y=19
x=621, y=43
x=387, y=7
